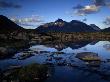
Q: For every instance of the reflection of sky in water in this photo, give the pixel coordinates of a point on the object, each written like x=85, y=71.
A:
x=99, y=48
x=68, y=50
x=66, y=73
x=42, y=48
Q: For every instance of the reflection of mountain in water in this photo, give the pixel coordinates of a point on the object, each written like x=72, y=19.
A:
x=94, y=42
x=60, y=46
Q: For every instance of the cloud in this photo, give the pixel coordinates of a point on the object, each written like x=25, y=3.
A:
x=107, y=21
x=34, y=21
x=100, y=2
x=84, y=10
x=4, y=4
x=92, y=8
x=33, y=18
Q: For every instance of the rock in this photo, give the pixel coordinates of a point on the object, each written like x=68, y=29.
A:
x=6, y=52
x=88, y=56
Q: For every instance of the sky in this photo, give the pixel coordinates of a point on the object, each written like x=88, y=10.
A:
x=32, y=13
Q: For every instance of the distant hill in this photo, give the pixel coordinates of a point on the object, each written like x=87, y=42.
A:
x=63, y=26
x=95, y=27
x=106, y=29
x=7, y=25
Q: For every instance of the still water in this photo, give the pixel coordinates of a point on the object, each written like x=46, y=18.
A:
x=80, y=73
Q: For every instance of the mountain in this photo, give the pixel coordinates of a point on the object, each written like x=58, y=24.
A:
x=63, y=26
x=95, y=27
x=106, y=29
x=7, y=25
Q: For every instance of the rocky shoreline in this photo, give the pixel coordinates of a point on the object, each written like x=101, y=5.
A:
x=9, y=48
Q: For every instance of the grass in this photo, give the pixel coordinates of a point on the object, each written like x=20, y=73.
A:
x=30, y=73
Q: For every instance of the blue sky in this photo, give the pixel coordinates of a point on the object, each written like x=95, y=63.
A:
x=32, y=13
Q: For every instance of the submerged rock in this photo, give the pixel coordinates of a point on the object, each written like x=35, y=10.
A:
x=88, y=56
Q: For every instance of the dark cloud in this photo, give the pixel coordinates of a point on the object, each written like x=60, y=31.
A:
x=107, y=21
x=5, y=4
x=100, y=2
x=91, y=8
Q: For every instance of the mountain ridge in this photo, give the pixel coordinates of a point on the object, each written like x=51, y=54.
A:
x=63, y=26
x=106, y=29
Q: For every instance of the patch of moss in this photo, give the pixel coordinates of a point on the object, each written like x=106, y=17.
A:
x=30, y=73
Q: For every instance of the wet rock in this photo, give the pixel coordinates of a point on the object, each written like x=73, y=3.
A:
x=88, y=56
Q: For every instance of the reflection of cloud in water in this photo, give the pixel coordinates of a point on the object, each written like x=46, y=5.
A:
x=42, y=48
x=107, y=47
x=81, y=46
x=68, y=50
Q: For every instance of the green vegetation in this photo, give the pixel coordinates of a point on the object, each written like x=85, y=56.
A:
x=30, y=73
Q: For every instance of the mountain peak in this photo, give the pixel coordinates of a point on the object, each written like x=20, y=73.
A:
x=63, y=26
x=76, y=21
x=59, y=20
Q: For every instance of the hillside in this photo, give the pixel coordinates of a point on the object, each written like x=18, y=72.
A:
x=6, y=25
